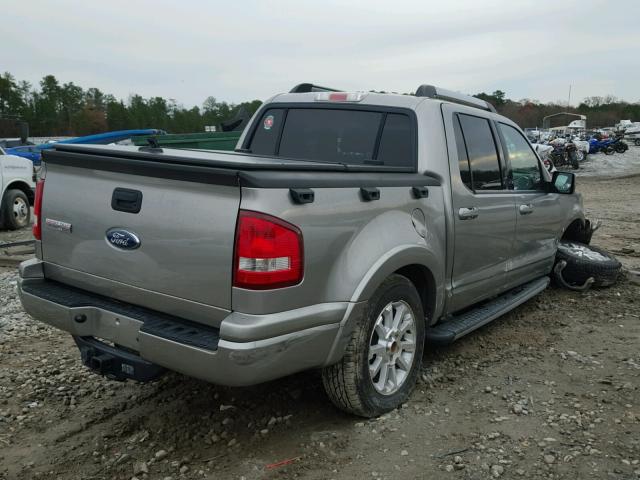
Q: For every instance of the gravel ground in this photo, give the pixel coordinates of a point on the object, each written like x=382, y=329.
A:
x=550, y=390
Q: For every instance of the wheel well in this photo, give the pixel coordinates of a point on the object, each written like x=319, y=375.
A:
x=575, y=231
x=24, y=188
x=425, y=284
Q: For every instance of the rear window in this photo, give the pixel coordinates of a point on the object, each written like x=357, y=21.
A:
x=266, y=135
x=395, y=143
x=354, y=137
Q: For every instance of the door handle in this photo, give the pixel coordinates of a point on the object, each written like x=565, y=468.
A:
x=467, y=213
x=526, y=209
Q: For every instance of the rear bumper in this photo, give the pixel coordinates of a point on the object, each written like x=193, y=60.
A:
x=247, y=349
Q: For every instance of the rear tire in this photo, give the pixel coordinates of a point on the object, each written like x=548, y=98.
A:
x=352, y=384
x=636, y=142
x=16, y=212
x=585, y=261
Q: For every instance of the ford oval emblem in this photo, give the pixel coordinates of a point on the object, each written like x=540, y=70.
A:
x=123, y=239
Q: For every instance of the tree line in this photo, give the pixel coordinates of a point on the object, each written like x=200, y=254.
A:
x=61, y=109
x=56, y=109
x=600, y=111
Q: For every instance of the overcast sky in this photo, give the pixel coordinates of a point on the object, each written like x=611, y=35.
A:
x=241, y=50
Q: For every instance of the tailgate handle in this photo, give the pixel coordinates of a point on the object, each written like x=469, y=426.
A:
x=369, y=194
x=126, y=200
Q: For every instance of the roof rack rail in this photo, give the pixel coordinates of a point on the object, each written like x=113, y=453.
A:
x=310, y=87
x=455, y=97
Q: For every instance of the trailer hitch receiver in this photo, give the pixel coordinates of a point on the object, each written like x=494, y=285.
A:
x=114, y=362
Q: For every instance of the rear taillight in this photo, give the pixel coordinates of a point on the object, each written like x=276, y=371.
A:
x=268, y=252
x=37, y=210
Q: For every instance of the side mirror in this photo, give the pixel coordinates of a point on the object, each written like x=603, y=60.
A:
x=564, y=182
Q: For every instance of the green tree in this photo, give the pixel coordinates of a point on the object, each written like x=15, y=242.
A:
x=12, y=101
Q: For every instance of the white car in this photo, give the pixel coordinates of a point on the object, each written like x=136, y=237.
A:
x=16, y=191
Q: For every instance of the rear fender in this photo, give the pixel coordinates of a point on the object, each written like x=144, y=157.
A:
x=397, y=258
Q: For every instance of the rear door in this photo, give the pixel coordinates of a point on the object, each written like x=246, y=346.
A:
x=538, y=213
x=483, y=210
x=184, y=230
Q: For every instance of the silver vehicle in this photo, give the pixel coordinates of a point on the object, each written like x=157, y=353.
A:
x=346, y=231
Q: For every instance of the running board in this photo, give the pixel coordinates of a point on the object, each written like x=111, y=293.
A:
x=459, y=325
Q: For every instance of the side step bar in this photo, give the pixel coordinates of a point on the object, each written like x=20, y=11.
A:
x=459, y=325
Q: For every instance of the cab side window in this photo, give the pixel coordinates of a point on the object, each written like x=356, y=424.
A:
x=463, y=159
x=525, y=166
x=481, y=151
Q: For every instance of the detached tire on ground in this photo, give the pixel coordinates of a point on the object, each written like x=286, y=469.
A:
x=383, y=357
x=16, y=212
x=585, y=261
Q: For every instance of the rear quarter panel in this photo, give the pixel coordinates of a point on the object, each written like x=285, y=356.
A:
x=350, y=245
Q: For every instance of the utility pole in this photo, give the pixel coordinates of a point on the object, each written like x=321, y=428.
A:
x=569, y=100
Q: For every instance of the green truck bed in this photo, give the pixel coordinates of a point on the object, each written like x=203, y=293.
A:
x=204, y=141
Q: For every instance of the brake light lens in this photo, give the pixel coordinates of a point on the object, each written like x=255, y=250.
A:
x=268, y=252
x=339, y=96
x=37, y=210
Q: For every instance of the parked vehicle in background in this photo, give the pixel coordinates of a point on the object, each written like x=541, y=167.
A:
x=201, y=141
x=34, y=152
x=16, y=191
x=619, y=145
x=571, y=154
x=582, y=148
x=564, y=153
x=12, y=142
x=604, y=146
x=347, y=229
x=544, y=152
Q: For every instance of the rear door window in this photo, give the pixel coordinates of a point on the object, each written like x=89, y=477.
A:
x=481, y=152
x=463, y=159
x=352, y=137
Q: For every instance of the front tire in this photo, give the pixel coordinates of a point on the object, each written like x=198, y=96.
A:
x=16, y=212
x=383, y=357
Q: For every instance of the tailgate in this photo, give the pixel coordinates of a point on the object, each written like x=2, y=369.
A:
x=180, y=242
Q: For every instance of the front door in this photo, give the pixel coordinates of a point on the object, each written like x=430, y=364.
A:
x=538, y=213
x=483, y=210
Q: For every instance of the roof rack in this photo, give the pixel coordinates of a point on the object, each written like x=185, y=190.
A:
x=310, y=87
x=455, y=97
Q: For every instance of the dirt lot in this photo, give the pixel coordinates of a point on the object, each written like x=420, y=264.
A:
x=551, y=390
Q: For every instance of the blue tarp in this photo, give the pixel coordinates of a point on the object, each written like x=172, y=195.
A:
x=33, y=152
